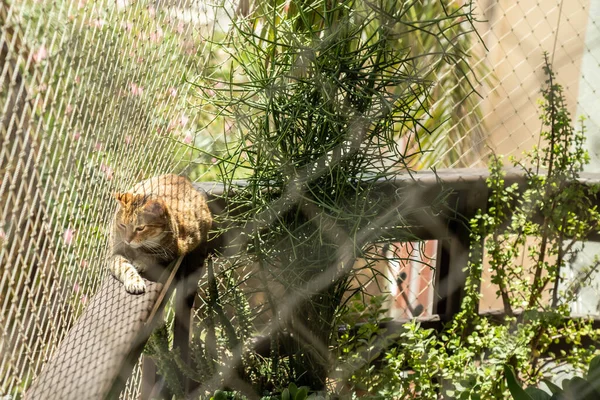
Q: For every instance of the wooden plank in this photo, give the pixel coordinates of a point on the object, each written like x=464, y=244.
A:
x=96, y=357
x=421, y=189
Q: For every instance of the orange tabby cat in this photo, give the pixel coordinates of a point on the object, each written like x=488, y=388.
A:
x=158, y=220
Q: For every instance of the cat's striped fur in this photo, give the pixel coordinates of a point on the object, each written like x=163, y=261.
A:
x=158, y=220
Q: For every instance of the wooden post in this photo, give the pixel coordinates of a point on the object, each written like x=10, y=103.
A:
x=185, y=294
x=184, y=302
x=453, y=255
x=148, y=377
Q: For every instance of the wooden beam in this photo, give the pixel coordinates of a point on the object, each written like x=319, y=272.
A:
x=98, y=354
x=96, y=357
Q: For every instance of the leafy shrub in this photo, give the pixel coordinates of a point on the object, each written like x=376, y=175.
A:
x=528, y=234
x=575, y=388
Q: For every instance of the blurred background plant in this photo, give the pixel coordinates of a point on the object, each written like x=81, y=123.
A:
x=323, y=103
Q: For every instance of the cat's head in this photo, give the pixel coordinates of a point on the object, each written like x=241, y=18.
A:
x=141, y=221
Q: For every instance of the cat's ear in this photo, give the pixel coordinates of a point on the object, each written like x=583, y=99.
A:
x=155, y=206
x=124, y=198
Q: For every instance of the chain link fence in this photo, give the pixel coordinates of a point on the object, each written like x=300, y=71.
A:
x=96, y=96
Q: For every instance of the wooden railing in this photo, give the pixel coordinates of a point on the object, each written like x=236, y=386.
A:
x=99, y=352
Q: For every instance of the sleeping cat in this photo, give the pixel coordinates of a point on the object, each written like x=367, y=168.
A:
x=158, y=220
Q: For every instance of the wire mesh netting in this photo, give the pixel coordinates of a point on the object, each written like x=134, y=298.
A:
x=99, y=95
x=93, y=99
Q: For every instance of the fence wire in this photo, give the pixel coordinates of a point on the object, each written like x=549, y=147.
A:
x=516, y=34
x=95, y=97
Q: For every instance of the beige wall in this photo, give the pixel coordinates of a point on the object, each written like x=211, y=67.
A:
x=516, y=34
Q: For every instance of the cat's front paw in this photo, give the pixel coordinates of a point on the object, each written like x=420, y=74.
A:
x=135, y=285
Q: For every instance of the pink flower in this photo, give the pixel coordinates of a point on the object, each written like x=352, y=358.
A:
x=127, y=25
x=98, y=146
x=40, y=54
x=108, y=171
x=172, y=125
x=77, y=135
x=2, y=236
x=213, y=160
x=128, y=139
x=68, y=236
x=77, y=79
x=183, y=120
x=81, y=4
x=98, y=23
x=157, y=35
x=190, y=50
x=122, y=4
x=84, y=299
x=136, y=90
x=76, y=287
x=286, y=6
x=151, y=11
x=188, y=138
x=180, y=27
x=189, y=46
x=69, y=110
x=173, y=92
x=84, y=263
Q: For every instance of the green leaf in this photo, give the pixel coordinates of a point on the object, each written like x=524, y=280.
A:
x=553, y=388
x=302, y=393
x=220, y=395
x=578, y=388
x=593, y=375
x=515, y=388
x=285, y=395
x=594, y=369
x=537, y=394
